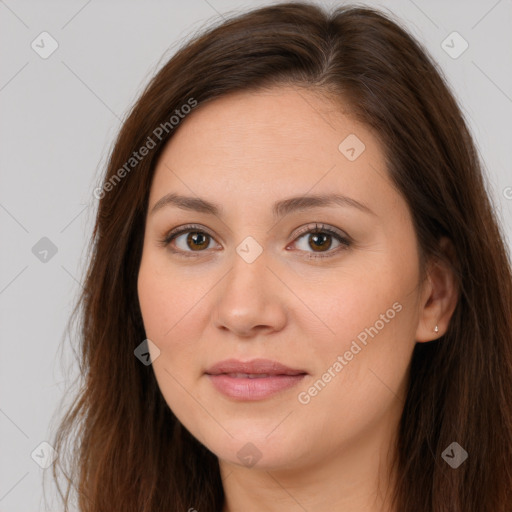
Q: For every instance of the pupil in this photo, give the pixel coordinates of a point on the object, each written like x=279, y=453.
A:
x=316, y=238
x=193, y=237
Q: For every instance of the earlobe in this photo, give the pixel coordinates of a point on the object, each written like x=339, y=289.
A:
x=440, y=297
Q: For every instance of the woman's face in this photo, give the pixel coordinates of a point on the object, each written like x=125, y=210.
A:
x=253, y=278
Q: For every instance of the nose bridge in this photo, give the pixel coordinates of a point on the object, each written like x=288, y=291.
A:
x=249, y=270
x=248, y=298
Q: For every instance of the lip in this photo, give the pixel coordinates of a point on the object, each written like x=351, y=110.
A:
x=255, y=366
x=253, y=380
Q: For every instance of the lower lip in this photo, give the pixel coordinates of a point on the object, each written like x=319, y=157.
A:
x=243, y=388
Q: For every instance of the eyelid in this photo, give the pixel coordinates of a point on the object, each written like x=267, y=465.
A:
x=320, y=227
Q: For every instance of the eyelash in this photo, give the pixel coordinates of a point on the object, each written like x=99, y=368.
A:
x=318, y=228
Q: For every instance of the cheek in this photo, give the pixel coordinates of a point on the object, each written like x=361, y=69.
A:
x=361, y=375
x=369, y=323
x=163, y=297
x=167, y=312
x=173, y=314
x=358, y=302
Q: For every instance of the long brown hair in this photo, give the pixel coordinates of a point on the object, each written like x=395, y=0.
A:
x=128, y=450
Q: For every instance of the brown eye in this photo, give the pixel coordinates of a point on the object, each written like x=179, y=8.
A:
x=196, y=240
x=187, y=240
x=322, y=241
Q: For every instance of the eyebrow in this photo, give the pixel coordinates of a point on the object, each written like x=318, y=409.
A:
x=279, y=209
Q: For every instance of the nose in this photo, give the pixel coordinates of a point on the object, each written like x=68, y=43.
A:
x=251, y=301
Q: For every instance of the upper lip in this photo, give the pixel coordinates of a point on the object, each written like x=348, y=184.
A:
x=256, y=366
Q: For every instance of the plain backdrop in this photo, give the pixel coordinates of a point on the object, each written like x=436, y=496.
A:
x=59, y=116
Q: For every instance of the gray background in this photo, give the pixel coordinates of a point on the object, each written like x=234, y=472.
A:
x=59, y=116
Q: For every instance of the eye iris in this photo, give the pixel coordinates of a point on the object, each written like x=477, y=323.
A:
x=320, y=237
x=199, y=240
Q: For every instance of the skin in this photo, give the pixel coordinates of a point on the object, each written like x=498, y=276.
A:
x=244, y=152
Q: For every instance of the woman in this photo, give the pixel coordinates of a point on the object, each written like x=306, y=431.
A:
x=295, y=232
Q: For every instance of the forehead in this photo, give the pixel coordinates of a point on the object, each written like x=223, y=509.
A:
x=269, y=144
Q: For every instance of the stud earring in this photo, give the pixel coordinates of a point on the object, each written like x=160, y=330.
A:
x=436, y=329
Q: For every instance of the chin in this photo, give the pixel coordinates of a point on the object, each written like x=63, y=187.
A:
x=257, y=449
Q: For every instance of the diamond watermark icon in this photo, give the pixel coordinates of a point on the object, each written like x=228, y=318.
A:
x=147, y=352
x=454, y=45
x=351, y=147
x=249, y=455
x=249, y=249
x=454, y=455
x=44, y=250
x=44, y=455
x=44, y=45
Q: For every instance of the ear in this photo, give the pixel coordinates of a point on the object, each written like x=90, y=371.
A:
x=440, y=295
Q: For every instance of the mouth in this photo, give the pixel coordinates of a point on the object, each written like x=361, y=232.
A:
x=251, y=375
x=253, y=380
